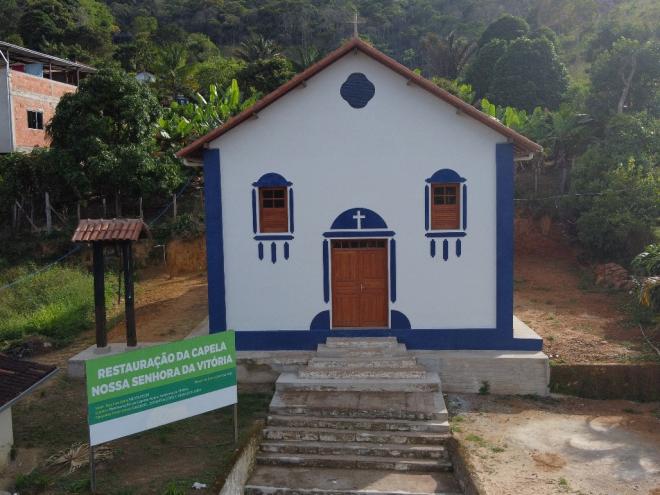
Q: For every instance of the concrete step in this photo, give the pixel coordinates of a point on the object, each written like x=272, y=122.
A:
x=284, y=433
x=362, y=342
x=276, y=480
x=354, y=462
x=415, y=371
x=371, y=424
x=290, y=381
x=323, y=350
x=357, y=449
x=359, y=362
x=394, y=405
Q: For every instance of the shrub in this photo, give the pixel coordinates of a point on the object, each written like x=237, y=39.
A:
x=31, y=484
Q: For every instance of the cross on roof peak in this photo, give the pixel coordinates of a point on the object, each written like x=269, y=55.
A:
x=355, y=23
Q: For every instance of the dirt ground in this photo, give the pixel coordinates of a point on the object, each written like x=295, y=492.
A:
x=544, y=446
x=580, y=323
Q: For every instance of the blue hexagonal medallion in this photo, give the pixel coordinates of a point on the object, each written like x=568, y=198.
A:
x=357, y=90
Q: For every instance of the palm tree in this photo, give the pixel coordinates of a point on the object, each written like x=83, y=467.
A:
x=256, y=47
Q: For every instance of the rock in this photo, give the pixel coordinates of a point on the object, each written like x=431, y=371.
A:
x=613, y=276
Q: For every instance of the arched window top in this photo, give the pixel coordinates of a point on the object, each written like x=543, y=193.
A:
x=358, y=218
x=272, y=179
x=445, y=175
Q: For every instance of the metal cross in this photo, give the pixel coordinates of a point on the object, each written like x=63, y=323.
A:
x=355, y=23
x=359, y=217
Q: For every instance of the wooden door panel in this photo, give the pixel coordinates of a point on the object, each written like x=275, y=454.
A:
x=359, y=287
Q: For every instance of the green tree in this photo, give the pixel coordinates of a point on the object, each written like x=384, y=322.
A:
x=507, y=27
x=529, y=74
x=480, y=71
x=265, y=75
x=256, y=48
x=107, y=130
x=626, y=77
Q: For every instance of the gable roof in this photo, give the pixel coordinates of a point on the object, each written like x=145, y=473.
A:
x=521, y=143
x=19, y=377
x=117, y=229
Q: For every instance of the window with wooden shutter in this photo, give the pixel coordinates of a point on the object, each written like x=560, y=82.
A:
x=273, y=209
x=445, y=206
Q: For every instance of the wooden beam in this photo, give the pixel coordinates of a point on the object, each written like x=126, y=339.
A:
x=99, y=294
x=129, y=293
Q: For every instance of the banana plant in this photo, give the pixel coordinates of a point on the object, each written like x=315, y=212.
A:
x=183, y=123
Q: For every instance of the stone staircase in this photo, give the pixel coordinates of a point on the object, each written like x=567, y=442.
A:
x=363, y=417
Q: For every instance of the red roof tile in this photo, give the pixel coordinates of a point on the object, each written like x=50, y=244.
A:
x=117, y=229
x=17, y=377
x=521, y=143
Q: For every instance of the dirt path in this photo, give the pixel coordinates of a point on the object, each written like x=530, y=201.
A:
x=580, y=323
x=166, y=309
x=554, y=446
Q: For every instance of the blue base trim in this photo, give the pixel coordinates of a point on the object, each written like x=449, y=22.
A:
x=399, y=321
x=215, y=256
x=273, y=237
x=445, y=234
x=321, y=321
x=360, y=233
x=456, y=339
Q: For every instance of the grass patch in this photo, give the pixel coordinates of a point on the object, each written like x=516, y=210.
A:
x=56, y=304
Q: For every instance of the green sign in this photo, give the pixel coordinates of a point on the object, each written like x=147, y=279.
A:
x=152, y=386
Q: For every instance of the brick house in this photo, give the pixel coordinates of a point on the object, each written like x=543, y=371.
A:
x=31, y=85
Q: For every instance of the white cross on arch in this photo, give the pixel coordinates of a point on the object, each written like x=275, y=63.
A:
x=359, y=217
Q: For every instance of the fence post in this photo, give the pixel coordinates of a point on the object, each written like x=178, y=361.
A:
x=174, y=206
x=105, y=213
x=141, y=211
x=49, y=217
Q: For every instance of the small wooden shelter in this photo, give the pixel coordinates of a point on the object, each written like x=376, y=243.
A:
x=100, y=233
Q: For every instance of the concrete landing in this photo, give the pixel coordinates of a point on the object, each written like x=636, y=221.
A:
x=270, y=480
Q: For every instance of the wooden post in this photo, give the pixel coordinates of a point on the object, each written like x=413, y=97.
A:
x=174, y=206
x=99, y=294
x=105, y=213
x=141, y=211
x=49, y=217
x=129, y=295
x=92, y=470
x=235, y=424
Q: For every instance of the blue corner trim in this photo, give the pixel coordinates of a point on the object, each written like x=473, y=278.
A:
x=360, y=233
x=273, y=252
x=286, y=250
x=291, y=210
x=432, y=248
x=272, y=179
x=392, y=270
x=260, y=250
x=445, y=250
x=504, y=163
x=254, y=211
x=399, y=321
x=458, y=248
x=326, y=273
x=321, y=321
x=427, y=207
x=358, y=218
x=273, y=237
x=357, y=90
x=445, y=175
x=214, y=242
x=445, y=234
x=464, y=206
x=415, y=338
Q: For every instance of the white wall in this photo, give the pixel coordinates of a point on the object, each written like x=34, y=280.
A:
x=6, y=144
x=6, y=436
x=377, y=157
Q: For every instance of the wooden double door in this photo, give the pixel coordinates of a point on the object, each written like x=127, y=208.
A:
x=359, y=283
